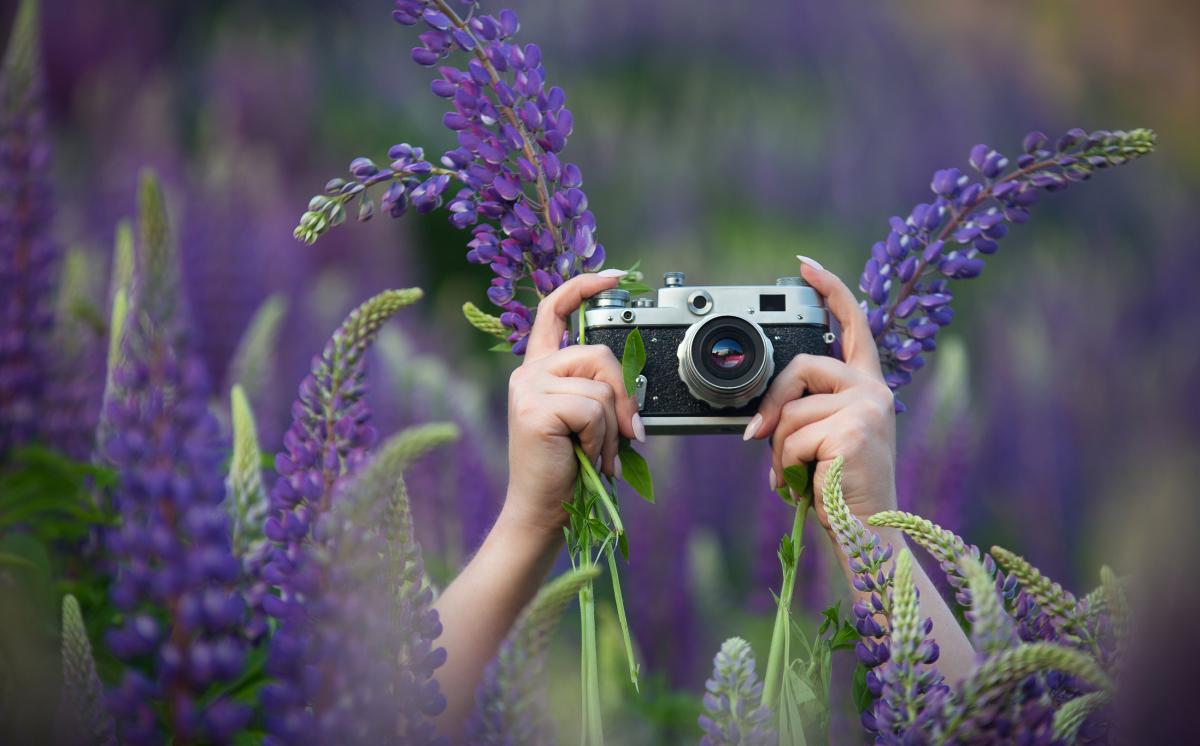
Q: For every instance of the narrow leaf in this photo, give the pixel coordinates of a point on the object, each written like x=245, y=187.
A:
x=635, y=471
x=633, y=359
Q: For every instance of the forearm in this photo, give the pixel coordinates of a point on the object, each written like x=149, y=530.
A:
x=480, y=605
x=957, y=656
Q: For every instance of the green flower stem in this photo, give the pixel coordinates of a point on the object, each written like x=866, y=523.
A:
x=777, y=660
x=618, y=597
x=593, y=730
x=597, y=486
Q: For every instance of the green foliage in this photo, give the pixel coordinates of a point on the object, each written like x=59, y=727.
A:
x=49, y=496
x=1072, y=715
x=156, y=260
x=635, y=471
x=797, y=483
x=633, y=360
x=82, y=714
x=252, y=365
x=485, y=322
x=245, y=495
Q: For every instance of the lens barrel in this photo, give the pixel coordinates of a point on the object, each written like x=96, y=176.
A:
x=726, y=361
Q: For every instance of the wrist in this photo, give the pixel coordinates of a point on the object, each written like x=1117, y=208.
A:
x=516, y=523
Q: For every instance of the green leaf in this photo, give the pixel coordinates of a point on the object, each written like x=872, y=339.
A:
x=623, y=546
x=796, y=693
x=635, y=471
x=845, y=638
x=797, y=483
x=633, y=359
x=862, y=696
x=635, y=287
x=501, y=347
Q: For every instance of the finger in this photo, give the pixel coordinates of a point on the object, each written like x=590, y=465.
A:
x=811, y=374
x=598, y=363
x=555, y=310
x=804, y=446
x=858, y=344
x=584, y=417
x=806, y=410
x=602, y=393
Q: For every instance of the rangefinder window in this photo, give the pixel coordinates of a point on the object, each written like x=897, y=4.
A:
x=772, y=302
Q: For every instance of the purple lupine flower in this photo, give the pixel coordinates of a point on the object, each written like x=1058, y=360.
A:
x=363, y=647
x=176, y=576
x=528, y=216
x=28, y=253
x=910, y=675
x=907, y=279
x=733, y=711
x=869, y=561
x=328, y=440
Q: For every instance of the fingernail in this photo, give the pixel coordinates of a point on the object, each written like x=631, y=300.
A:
x=809, y=261
x=774, y=483
x=752, y=427
x=597, y=463
x=616, y=468
x=612, y=273
x=639, y=430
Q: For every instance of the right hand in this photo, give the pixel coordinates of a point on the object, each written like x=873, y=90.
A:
x=556, y=395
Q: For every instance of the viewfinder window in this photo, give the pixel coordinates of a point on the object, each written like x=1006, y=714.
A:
x=772, y=303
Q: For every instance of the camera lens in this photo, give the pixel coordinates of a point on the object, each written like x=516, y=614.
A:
x=726, y=354
x=726, y=361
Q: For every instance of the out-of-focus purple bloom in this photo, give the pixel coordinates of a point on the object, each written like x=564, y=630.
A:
x=29, y=255
x=907, y=277
x=524, y=206
x=733, y=711
x=327, y=441
x=176, y=576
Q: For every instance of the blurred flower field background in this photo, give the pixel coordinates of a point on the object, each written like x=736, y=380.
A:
x=1060, y=417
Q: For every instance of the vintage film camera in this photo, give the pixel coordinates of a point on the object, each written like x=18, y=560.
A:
x=711, y=351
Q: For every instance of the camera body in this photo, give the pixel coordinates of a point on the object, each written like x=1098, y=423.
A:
x=711, y=351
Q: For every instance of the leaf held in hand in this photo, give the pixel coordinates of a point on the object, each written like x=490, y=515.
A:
x=633, y=359
x=635, y=471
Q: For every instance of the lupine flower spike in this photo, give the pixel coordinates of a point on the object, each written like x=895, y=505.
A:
x=28, y=254
x=872, y=575
x=83, y=718
x=176, y=576
x=733, y=711
x=510, y=706
x=908, y=277
x=327, y=441
x=524, y=206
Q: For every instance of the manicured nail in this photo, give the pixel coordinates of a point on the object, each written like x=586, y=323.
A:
x=639, y=430
x=617, y=468
x=809, y=261
x=597, y=463
x=752, y=427
x=612, y=273
x=774, y=482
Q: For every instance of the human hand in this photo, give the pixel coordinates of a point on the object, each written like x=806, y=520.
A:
x=849, y=410
x=558, y=394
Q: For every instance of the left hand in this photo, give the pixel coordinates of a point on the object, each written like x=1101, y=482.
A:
x=848, y=410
